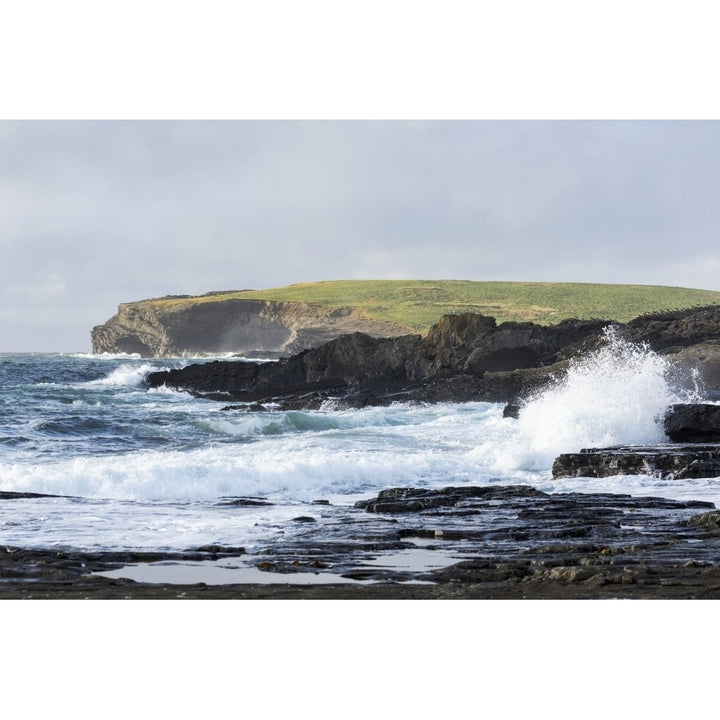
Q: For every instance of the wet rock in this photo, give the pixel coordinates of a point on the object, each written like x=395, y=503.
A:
x=693, y=423
x=465, y=357
x=244, y=502
x=667, y=461
x=450, y=364
x=221, y=550
x=13, y=495
x=511, y=411
x=402, y=500
x=710, y=520
x=484, y=541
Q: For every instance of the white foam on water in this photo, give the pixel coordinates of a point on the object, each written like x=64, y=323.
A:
x=618, y=395
x=126, y=375
x=103, y=356
x=295, y=456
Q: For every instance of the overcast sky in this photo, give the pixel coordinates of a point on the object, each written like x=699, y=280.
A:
x=94, y=213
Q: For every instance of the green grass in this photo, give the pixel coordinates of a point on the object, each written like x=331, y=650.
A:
x=418, y=304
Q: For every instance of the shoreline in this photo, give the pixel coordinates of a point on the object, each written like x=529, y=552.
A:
x=676, y=583
x=482, y=542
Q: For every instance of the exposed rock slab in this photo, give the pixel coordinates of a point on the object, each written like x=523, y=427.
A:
x=693, y=428
x=667, y=461
x=485, y=541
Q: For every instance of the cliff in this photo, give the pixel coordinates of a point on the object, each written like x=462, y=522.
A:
x=167, y=328
x=463, y=357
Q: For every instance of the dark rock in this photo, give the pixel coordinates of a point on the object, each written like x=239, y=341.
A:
x=469, y=542
x=667, y=461
x=693, y=423
x=710, y=520
x=304, y=519
x=401, y=500
x=219, y=550
x=244, y=502
x=676, y=329
x=464, y=357
x=511, y=411
x=694, y=427
x=13, y=495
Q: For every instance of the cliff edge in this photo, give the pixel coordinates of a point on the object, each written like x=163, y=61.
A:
x=463, y=357
x=168, y=328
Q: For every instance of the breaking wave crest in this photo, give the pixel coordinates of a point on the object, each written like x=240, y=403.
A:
x=126, y=375
x=617, y=395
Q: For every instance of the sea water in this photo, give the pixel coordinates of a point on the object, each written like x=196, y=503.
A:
x=140, y=468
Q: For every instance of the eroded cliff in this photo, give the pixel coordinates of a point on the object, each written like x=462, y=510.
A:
x=463, y=357
x=169, y=328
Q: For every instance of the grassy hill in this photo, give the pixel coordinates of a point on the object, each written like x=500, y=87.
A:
x=418, y=304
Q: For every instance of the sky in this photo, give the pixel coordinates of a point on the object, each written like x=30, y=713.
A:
x=98, y=212
x=393, y=160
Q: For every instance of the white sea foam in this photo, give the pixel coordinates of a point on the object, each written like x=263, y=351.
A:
x=617, y=395
x=126, y=375
x=288, y=455
x=104, y=356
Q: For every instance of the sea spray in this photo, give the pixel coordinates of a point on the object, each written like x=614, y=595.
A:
x=126, y=375
x=616, y=395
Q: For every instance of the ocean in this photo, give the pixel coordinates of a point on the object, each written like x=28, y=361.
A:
x=139, y=468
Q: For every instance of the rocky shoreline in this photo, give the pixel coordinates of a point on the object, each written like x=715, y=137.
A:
x=508, y=542
x=463, y=358
x=461, y=543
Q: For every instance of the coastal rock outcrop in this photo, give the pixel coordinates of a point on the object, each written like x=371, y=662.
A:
x=694, y=450
x=693, y=423
x=174, y=326
x=488, y=541
x=463, y=357
x=666, y=461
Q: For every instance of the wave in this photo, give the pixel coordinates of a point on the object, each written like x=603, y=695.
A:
x=292, y=455
x=126, y=375
x=103, y=356
x=298, y=471
x=617, y=395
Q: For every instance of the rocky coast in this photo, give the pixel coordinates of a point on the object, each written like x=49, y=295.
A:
x=454, y=543
x=466, y=357
x=470, y=542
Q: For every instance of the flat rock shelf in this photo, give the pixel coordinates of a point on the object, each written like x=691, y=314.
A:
x=504, y=542
x=667, y=461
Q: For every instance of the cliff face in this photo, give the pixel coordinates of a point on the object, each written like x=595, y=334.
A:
x=167, y=329
x=456, y=361
x=463, y=357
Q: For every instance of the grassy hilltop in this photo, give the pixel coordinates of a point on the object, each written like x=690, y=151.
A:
x=418, y=304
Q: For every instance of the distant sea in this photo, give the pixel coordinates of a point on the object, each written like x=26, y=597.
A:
x=139, y=468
